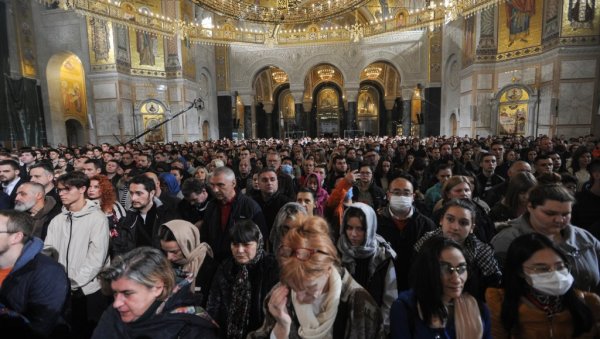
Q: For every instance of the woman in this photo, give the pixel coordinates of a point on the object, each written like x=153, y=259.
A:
x=171, y=185
x=438, y=306
x=539, y=299
x=461, y=187
x=581, y=159
x=549, y=213
x=242, y=282
x=147, y=302
x=201, y=174
x=383, y=173
x=514, y=203
x=313, y=182
x=368, y=257
x=290, y=215
x=316, y=297
x=457, y=222
x=190, y=258
x=103, y=193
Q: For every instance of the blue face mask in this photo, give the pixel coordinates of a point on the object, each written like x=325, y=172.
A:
x=287, y=169
x=377, y=149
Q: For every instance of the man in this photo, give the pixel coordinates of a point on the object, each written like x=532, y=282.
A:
x=497, y=192
x=31, y=283
x=27, y=158
x=112, y=171
x=178, y=174
x=372, y=158
x=286, y=185
x=546, y=145
x=487, y=178
x=244, y=175
x=268, y=197
x=434, y=193
x=339, y=171
x=9, y=176
x=194, y=202
x=92, y=167
x=143, y=162
x=306, y=198
x=53, y=156
x=222, y=212
x=140, y=225
x=43, y=174
x=586, y=211
x=80, y=236
x=167, y=200
x=127, y=161
x=497, y=149
x=365, y=190
x=351, y=160
x=543, y=164
x=43, y=208
x=402, y=225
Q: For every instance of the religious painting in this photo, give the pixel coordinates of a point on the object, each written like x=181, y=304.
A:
x=580, y=18
x=520, y=25
x=146, y=50
x=72, y=89
x=551, y=19
x=328, y=123
x=25, y=38
x=288, y=106
x=468, y=50
x=187, y=48
x=512, y=112
x=153, y=113
x=368, y=110
x=100, y=38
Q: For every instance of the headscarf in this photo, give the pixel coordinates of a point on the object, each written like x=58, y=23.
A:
x=277, y=231
x=321, y=194
x=188, y=238
x=375, y=246
x=238, y=315
x=172, y=184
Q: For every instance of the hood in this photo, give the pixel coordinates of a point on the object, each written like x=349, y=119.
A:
x=319, y=179
x=89, y=207
x=186, y=235
x=171, y=183
x=49, y=204
x=30, y=250
x=370, y=220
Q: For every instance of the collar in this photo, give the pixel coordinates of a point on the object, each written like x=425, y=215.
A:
x=408, y=216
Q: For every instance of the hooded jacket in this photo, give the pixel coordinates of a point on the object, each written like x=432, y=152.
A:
x=43, y=217
x=375, y=257
x=81, y=239
x=321, y=194
x=37, y=288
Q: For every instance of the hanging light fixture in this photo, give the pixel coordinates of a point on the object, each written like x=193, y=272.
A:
x=279, y=76
x=326, y=74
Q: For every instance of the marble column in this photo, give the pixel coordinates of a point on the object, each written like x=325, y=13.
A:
x=351, y=111
x=248, y=101
x=298, y=109
x=406, y=110
x=268, y=108
x=389, y=106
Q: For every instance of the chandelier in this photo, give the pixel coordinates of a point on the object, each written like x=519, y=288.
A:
x=280, y=11
x=372, y=72
x=279, y=76
x=326, y=74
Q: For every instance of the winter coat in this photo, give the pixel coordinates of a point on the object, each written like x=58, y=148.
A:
x=263, y=276
x=42, y=218
x=81, y=239
x=377, y=195
x=37, y=287
x=358, y=315
x=178, y=318
x=580, y=246
x=534, y=323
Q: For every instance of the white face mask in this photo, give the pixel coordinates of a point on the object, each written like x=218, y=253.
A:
x=555, y=283
x=400, y=204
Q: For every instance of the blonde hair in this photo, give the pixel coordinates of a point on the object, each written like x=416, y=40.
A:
x=312, y=234
x=455, y=181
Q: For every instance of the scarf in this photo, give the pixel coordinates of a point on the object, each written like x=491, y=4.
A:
x=194, y=251
x=238, y=314
x=320, y=326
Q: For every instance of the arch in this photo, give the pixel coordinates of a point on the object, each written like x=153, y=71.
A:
x=453, y=125
x=205, y=130
x=368, y=109
x=74, y=131
x=67, y=95
x=327, y=113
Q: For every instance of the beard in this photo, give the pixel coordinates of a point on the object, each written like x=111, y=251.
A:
x=24, y=206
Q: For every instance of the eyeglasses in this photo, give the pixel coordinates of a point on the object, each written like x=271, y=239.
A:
x=302, y=254
x=543, y=268
x=365, y=173
x=448, y=269
x=8, y=232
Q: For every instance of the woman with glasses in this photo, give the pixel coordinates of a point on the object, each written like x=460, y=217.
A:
x=147, y=301
x=241, y=283
x=438, y=305
x=549, y=213
x=316, y=297
x=539, y=299
x=368, y=257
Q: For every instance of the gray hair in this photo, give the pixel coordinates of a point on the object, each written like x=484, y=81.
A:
x=290, y=211
x=35, y=187
x=224, y=170
x=144, y=265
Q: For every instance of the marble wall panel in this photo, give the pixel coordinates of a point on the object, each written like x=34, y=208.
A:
x=484, y=81
x=105, y=91
x=465, y=111
x=528, y=75
x=125, y=90
x=174, y=93
x=546, y=108
x=572, y=131
x=189, y=94
x=466, y=84
x=577, y=69
x=547, y=72
x=575, y=103
x=106, y=117
x=505, y=78
x=484, y=110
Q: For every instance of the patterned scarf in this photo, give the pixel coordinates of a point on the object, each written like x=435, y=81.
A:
x=238, y=315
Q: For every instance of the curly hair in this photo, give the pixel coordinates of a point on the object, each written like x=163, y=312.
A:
x=108, y=195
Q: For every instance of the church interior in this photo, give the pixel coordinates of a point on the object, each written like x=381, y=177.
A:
x=95, y=71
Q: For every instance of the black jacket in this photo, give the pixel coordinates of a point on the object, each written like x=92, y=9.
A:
x=403, y=241
x=377, y=195
x=270, y=208
x=263, y=276
x=242, y=207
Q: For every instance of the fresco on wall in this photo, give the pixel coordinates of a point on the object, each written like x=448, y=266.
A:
x=551, y=24
x=187, y=49
x=72, y=90
x=468, y=50
x=512, y=111
x=147, y=49
x=25, y=38
x=100, y=37
x=580, y=18
x=520, y=26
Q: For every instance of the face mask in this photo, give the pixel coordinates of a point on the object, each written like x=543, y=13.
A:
x=377, y=149
x=287, y=169
x=554, y=283
x=400, y=204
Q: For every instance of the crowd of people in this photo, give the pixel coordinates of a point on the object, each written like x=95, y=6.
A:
x=373, y=237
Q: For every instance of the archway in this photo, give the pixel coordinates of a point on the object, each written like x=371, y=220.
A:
x=74, y=132
x=453, y=125
x=205, y=130
x=368, y=110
